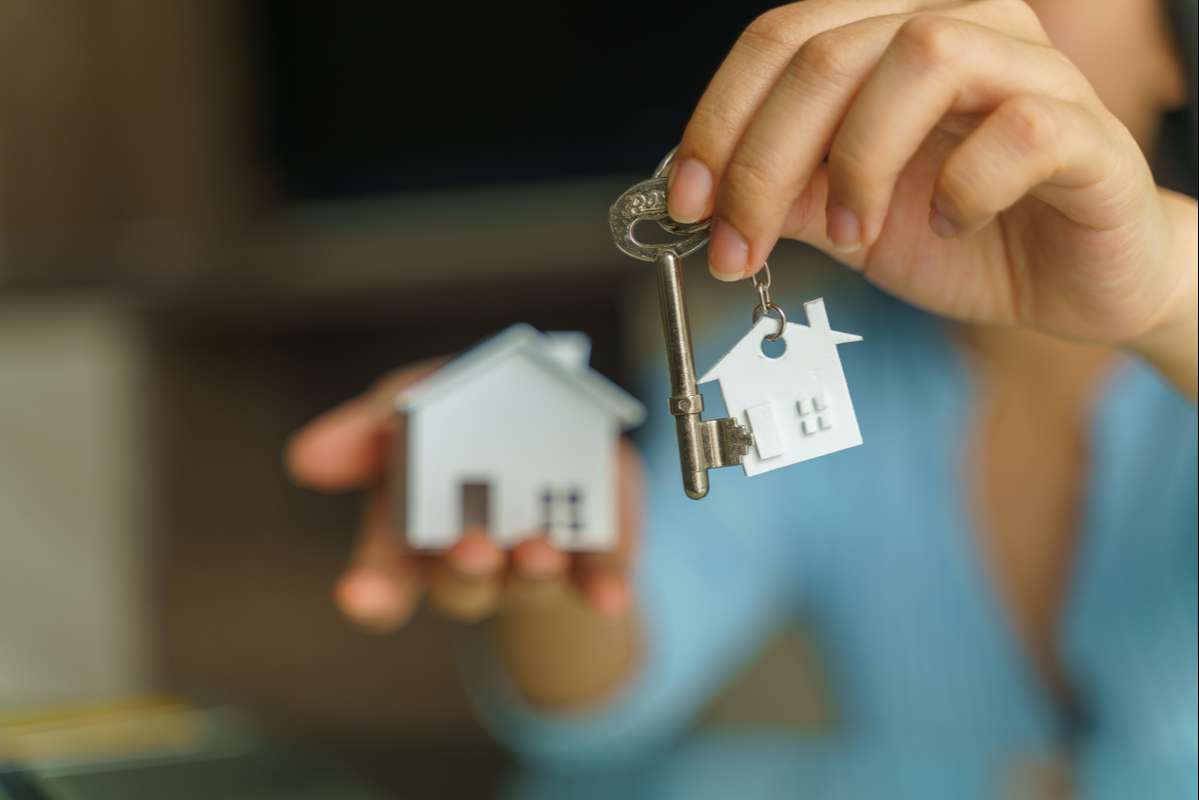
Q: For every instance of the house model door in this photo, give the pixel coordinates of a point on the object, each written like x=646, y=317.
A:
x=476, y=506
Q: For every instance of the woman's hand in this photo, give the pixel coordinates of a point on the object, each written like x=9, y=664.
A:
x=349, y=448
x=951, y=154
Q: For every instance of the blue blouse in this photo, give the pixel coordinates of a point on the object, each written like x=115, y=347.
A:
x=873, y=547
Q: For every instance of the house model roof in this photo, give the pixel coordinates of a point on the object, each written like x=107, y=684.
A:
x=817, y=326
x=563, y=356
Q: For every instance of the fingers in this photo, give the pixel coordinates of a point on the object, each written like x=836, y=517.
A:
x=468, y=582
x=465, y=585
x=768, y=119
x=537, y=559
x=605, y=583
x=538, y=575
x=867, y=95
x=786, y=141
x=342, y=448
x=1029, y=144
x=933, y=67
x=381, y=589
x=376, y=601
x=806, y=221
x=348, y=446
x=743, y=81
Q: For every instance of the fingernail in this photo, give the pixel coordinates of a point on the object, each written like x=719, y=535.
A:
x=372, y=601
x=728, y=253
x=690, y=188
x=844, y=229
x=941, y=224
x=474, y=561
x=610, y=596
x=540, y=561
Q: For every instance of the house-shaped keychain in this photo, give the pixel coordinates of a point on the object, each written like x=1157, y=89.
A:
x=517, y=437
x=796, y=404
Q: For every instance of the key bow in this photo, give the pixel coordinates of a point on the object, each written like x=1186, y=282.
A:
x=645, y=201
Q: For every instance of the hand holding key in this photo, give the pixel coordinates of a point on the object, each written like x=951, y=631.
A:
x=348, y=448
x=956, y=158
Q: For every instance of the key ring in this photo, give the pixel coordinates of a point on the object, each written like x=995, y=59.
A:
x=646, y=200
x=765, y=306
x=667, y=224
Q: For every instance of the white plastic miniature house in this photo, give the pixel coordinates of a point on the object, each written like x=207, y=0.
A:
x=517, y=437
x=797, y=404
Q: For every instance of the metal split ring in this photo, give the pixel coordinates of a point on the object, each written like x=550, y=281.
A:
x=667, y=224
x=765, y=311
x=761, y=282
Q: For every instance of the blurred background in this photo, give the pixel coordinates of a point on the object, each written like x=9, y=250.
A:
x=218, y=219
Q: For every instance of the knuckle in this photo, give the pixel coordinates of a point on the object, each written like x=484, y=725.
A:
x=711, y=123
x=748, y=178
x=1071, y=83
x=848, y=170
x=802, y=212
x=1059, y=59
x=824, y=55
x=778, y=27
x=931, y=40
x=955, y=186
x=1029, y=122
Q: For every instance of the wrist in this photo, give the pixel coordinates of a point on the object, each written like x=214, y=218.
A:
x=560, y=653
x=1171, y=343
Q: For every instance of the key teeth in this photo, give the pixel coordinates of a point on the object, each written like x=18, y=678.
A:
x=740, y=440
x=726, y=442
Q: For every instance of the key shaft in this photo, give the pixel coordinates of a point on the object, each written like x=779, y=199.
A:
x=686, y=404
x=703, y=444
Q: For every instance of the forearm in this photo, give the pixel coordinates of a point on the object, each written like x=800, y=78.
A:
x=562, y=654
x=1171, y=346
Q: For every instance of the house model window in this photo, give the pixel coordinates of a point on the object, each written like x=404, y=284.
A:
x=538, y=457
x=814, y=414
x=562, y=513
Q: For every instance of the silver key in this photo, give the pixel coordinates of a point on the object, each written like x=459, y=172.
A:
x=703, y=444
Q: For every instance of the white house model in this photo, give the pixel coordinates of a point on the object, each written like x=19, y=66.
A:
x=517, y=437
x=796, y=405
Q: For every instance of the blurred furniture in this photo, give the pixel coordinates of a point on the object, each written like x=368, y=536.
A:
x=75, y=604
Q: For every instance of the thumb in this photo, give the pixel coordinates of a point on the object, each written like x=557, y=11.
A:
x=348, y=445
